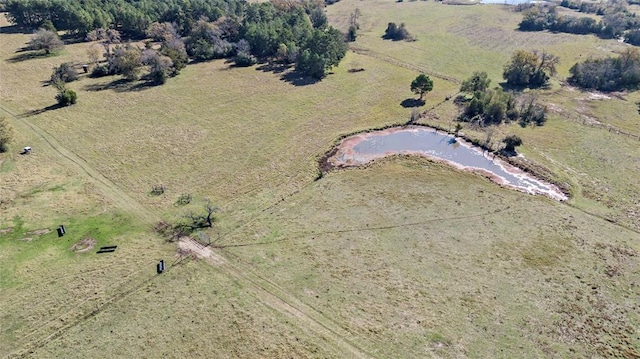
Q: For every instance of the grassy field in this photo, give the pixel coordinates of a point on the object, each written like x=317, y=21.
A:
x=401, y=258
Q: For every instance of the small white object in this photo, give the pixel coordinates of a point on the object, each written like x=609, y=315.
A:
x=27, y=149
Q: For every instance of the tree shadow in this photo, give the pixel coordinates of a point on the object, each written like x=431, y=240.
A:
x=122, y=85
x=412, y=102
x=13, y=29
x=23, y=55
x=298, y=79
x=275, y=67
x=518, y=89
x=39, y=111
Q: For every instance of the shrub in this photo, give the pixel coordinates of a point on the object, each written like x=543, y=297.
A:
x=45, y=40
x=245, y=59
x=100, y=71
x=6, y=135
x=396, y=33
x=66, y=97
x=65, y=72
x=511, y=142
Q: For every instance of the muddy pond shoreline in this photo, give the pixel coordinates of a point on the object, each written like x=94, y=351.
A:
x=439, y=146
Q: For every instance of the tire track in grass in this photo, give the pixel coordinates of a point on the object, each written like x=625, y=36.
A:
x=386, y=58
x=274, y=297
x=108, y=187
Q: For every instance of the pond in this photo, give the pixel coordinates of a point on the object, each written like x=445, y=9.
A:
x=416, y=140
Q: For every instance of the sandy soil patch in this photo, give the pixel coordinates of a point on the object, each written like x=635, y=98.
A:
x=84, y=245
x=39, y=232
x=191, y=246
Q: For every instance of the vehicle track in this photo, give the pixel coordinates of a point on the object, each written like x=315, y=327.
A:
x=272, y=296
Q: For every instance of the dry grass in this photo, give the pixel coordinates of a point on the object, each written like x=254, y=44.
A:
x=406, y=251
x=403, y=258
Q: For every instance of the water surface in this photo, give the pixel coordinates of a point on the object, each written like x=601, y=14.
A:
x=363, y=148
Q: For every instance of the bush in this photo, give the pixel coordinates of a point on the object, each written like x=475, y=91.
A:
x=65, y=72
x=6, y=135
x=66, y=97
x=530, y=68
x=45, y=40
x=396, y=33
x=511, y=142
x=100, y=71
x=244, y=59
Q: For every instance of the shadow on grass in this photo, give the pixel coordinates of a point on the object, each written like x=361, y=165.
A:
x=518, y=89
x=39, y=111
x=288, y=73
x=276, y=68
x=122, y=85
x=13, y=29
x=23, y=55
x=297, y=79
x=412, y=102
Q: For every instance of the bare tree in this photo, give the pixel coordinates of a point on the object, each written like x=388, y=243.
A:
x=211, y=209
x=94, y=53
x=45, y=40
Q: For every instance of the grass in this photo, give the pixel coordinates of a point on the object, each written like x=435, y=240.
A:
x=401, y=258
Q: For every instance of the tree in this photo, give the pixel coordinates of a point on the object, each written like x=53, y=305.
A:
x=352, y=34
x=65, y=96
x=106, y=37
x=94, y=53
x=176, y=51
x=202, y=220
x=530, y=68
x=126, y=60
x=160, y=66
x=46, y=40
x=511, y=142
x=479, y=81
x=6, y=135
x=65, y=73
x=323, y=50
x=318, y=18
x=396, y=33
x=421, y=85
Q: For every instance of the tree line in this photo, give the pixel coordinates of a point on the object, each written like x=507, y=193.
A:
x=290, y=32
x=616, y=21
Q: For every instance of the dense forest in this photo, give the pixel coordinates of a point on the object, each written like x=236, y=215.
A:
x=291, y=32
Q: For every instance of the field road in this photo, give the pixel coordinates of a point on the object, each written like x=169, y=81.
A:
x=303, y=316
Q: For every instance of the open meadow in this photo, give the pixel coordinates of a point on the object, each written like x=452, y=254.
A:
x=401, y=258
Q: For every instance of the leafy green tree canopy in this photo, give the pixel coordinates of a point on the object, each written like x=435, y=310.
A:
x=421, y=85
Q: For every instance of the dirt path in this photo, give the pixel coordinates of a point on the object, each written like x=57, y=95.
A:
x=304, y=317
x=109, y=188
x=400, y=63
x=277, y=298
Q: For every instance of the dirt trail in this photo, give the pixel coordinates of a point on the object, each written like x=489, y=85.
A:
x=109, y=188
x=305, y=317
x=277, y=298
x=406, y=65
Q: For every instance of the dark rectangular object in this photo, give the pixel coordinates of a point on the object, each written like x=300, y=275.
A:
x=62, y=229
x=60, y=232
x=105, y=251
